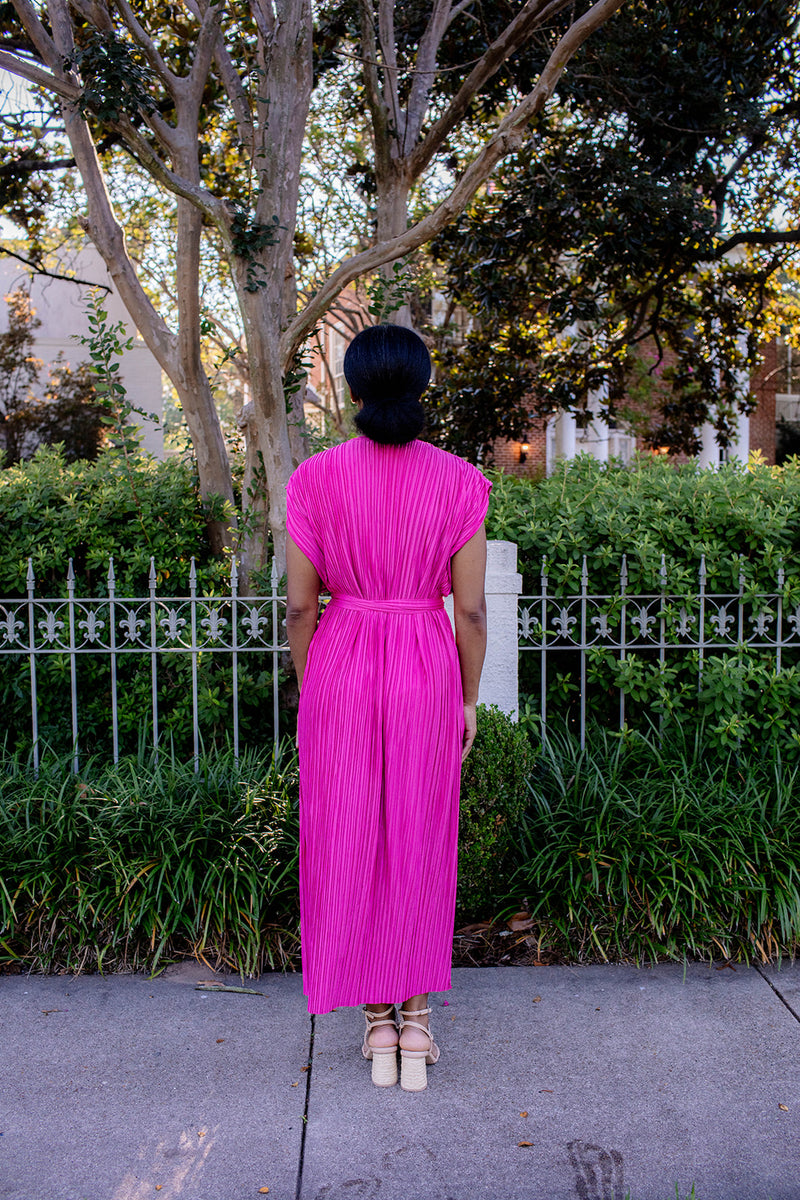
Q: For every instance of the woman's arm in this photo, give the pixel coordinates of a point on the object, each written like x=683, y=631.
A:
x=468, y=566
x=303, y=586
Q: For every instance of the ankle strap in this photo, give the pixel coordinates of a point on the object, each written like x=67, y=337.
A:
x=372, y=1017
x=414, y=1012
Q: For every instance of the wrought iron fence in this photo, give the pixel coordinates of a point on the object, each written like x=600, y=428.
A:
x=155, y=627
x=657, y=625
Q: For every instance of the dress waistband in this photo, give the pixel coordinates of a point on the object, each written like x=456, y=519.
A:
x=426, y=604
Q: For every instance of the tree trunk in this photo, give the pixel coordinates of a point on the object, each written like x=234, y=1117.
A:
x=392, y=221
x=194, y=390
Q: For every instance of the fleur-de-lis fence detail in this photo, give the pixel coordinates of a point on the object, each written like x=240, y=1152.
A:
x=172, y=624
x=131, y=624
x=92, y=626
x=214, y=624
x=684, y=623
x=10, y=626
x=722, y=620
x=528, y=624
x=601, y=624
x=762, y=621
x=643, y=620
x=254, y=622
x=50, y=627
x=564, y=623
x=794, y=621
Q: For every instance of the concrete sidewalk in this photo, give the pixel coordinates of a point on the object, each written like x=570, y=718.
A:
x=555, y=1083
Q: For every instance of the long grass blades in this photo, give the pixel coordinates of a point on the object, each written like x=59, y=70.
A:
x=131, y=867
x=637, y=851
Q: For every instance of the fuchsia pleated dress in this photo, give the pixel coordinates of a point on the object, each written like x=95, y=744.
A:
x=380, y=723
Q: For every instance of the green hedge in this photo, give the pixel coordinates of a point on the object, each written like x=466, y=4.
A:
x=52, y=511
x=738, y=519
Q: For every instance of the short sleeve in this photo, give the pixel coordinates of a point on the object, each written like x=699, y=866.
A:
x=300, y=518
x=475, y=504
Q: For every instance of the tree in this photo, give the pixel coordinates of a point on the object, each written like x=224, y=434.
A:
x=211, y=102
x=637, y=253
x=67, y=412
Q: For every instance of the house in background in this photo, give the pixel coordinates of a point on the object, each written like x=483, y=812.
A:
x=60, y=305
x=560, y=437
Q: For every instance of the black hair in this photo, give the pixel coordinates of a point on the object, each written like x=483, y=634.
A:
x=388, y=368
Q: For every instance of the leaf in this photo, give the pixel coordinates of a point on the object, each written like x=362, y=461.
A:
x=523, y=1114
x=524, y=1143
x=263, y=1191
x=783, y=1107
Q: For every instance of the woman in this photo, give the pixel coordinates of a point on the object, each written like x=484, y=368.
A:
x=388, y=524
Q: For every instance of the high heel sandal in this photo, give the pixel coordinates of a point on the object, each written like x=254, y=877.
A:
x=413, y=1072
x=384, y=1058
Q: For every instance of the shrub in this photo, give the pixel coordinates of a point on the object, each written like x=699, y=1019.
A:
x=739, y=520
x=493, y=799
x=132, y=866
x=633, y=849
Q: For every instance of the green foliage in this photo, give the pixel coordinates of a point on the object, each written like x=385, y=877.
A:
x=115, y=77
x=52, y=511
x=134, y=866
x=603, y=242
x=130, y=509
x=634, y=849
x=107, y=343
x=740, y=521
x=493, y=799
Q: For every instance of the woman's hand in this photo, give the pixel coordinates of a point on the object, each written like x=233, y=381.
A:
x=470, y=729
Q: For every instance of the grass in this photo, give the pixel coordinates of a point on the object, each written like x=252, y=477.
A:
x=133, y=866
x=626, y=851
x=633, y=851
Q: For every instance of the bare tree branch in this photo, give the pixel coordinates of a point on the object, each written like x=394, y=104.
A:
x=534, y=12
x=425, y=73
x=26, y=70
x=38, y=269
x=507, y=137
x=756, y=237
x=389, y=53
x=372, y=85
x=36, y=31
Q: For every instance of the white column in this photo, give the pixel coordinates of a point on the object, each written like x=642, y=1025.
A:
x=500, y=678
x=565, y=435
x=709, y=449
x=598, y=430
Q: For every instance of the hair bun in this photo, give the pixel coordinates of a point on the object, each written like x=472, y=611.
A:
x=391, y=422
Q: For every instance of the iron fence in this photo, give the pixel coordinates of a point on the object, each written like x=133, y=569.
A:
x=155, y=627
x=567, y=631
x=656, y=625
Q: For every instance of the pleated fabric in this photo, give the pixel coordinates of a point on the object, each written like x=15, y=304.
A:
x=380, y=722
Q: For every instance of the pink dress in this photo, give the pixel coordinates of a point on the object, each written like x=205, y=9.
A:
x=381, y=718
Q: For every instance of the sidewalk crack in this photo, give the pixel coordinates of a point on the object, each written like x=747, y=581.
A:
x=780, y=996
x=299, y=1185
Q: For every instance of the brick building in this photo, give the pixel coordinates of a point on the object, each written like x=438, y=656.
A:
x=775, y=386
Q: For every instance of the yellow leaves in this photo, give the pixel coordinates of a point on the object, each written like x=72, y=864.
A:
x=783, y=1107
x=524, y=1143
x=523, y=1114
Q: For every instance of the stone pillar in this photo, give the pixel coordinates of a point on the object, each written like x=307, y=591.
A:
x=500, y=678
x=709, y=449
x=565, y=435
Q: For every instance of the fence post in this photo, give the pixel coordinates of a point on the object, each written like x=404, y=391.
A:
x=500, y=678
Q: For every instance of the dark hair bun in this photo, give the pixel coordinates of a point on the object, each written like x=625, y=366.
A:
x=388, y=368
x=392, y=424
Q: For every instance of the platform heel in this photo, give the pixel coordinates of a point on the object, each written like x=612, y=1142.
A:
x=414, y=1063
x=383, y=1058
